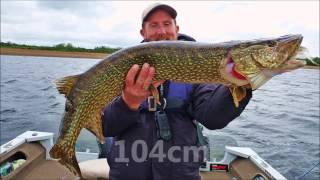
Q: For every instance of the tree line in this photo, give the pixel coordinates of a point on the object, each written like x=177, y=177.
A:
x=60, y=47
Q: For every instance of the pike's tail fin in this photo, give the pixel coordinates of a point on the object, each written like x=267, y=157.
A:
x=64, y=152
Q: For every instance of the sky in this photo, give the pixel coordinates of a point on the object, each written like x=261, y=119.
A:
x=91, y=24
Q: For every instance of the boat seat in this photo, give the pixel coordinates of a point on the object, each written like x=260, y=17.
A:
x=97, y=169
x=36, y=166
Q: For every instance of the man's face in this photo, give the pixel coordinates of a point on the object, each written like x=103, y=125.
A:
x=159, y=26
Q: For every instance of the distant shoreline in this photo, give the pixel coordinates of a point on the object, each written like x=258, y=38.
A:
x=51, y=53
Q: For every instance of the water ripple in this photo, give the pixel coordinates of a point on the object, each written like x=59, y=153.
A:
x=10, y=81
x=54, y=105
x=8, y=111
x=281, y=122
x=6, y=119
x=52, y=97
x=46, y=88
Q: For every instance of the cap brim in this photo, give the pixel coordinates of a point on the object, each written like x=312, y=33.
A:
x=171, y=11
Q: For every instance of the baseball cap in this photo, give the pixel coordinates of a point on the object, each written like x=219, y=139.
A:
x=150, y=9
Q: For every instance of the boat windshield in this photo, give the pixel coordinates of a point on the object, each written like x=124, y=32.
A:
x=87, y=142
x=217, y=145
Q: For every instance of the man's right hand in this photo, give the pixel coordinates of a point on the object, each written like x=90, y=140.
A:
x=137, y=85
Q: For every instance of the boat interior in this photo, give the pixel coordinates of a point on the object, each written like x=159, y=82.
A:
x=37, y=166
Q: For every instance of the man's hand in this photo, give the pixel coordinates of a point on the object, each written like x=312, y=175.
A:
x=137, y=85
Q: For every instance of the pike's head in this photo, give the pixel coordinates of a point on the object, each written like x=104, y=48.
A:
x=255, y=62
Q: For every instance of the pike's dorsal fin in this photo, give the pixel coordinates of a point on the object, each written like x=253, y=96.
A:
x=94, y=125
x=64, y=85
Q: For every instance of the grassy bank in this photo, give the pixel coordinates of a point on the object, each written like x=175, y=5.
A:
x=59, y=50
x=50, y=53
x=66, y=47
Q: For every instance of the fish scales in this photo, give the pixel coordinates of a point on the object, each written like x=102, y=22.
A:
x=188, y=62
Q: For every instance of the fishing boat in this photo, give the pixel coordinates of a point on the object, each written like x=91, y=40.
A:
x=27, y=157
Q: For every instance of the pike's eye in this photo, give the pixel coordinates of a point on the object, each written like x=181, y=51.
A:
x=271, y=43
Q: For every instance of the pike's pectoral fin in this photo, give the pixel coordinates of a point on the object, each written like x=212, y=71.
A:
x=238, y=93
x=65, y=84
x=94, y=125
x=258, y=79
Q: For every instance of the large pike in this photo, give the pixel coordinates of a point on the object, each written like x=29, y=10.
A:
x=235, y=64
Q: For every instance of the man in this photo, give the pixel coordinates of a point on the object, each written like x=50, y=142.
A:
x=152, y=144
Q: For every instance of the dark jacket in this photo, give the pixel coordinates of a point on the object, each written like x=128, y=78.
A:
x=135, y=132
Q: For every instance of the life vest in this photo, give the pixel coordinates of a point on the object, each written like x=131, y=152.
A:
x=177, y=98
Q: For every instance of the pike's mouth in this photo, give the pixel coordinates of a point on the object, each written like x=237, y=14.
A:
x=230, y=74
x=230, y=67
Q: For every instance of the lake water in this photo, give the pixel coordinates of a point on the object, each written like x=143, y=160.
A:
x=281, y=122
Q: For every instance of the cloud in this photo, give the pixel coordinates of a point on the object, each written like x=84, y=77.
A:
x=223, y=21
x=117, y=23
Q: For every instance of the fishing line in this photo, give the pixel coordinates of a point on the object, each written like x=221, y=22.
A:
x=301, y=177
